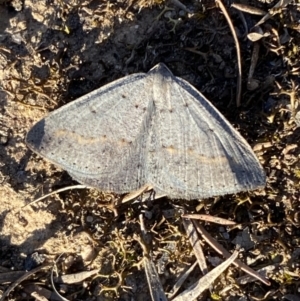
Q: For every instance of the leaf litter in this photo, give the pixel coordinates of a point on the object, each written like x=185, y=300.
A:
x=47, y=55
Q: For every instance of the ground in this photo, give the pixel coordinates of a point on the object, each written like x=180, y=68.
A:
x=52, y=52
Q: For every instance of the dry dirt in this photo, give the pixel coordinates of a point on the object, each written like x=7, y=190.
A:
x=52, y=52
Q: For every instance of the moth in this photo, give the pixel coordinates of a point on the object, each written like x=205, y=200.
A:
x=148, y=128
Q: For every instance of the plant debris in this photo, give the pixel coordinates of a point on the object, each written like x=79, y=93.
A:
x=52, y=53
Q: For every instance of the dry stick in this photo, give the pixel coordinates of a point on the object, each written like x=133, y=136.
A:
x=242, y=17
x=254, y=59
x=22, y=278
x=221, y=250
x=238, y=53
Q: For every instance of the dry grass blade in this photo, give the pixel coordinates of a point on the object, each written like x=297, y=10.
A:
x=248, y=9
x=210, y=218
x=52, y=282
x=55, y=192
x=238, y=52
x=221, y=250
x=273, y=11
x=181, y=280
x=269, y=269
x=130, y=196
x=195, y=243
x=199, y=287
x=155, y=287
x=8, y=277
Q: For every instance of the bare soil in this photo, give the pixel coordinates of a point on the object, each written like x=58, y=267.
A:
x=52, y=52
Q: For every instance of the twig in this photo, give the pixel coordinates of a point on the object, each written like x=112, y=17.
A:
x=238, y=52
x=251, y=83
